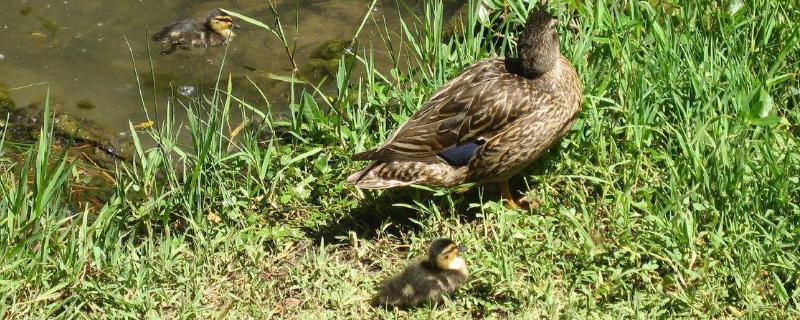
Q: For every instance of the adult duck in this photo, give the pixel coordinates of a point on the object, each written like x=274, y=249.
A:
x=487, y=124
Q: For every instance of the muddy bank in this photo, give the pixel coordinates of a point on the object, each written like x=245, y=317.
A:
x=94, y=150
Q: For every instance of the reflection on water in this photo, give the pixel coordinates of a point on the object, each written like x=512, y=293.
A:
x=78, y=48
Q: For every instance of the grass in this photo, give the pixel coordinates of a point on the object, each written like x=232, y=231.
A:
x=674, y=196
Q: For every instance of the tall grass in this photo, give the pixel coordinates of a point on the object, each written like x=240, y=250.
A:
x=675, y=195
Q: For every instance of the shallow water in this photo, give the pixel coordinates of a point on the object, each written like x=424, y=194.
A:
x=78, y=49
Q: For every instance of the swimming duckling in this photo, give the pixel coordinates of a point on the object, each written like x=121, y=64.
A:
x=425, y=280
x=214, y=30
x=487, y=124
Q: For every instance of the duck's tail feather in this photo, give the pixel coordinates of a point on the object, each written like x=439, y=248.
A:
x=372, y=177
x=384, y=175
x=366, y=155
x=386, y=154
x=161, y=35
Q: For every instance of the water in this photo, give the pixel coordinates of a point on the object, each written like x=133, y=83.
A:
x=78, y=49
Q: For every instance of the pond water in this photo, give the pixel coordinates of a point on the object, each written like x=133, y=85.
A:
x=78, y=49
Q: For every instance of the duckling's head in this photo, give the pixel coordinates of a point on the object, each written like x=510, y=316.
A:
x=221, y=23
x=444, y=254
x=538, y=45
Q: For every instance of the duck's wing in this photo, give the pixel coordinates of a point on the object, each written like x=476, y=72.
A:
x=469, y=109
x=179, y=32
x=164, y=33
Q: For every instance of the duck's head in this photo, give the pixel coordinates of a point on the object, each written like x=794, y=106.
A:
x=220, y=22
x=538, y=45
x=445, y=255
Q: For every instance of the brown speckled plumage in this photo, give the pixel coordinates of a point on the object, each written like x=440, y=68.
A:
x=511, y=109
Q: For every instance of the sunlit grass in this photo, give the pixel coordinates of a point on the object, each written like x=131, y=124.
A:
x=675, y=195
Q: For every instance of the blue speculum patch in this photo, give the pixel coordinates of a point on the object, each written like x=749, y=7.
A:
x=459, y=155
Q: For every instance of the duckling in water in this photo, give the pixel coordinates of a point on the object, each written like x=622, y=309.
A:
x=215, y=29
x=425, y=280
x=487, y=124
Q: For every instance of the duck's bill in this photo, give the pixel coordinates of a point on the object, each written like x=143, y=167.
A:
x=237, y=26
x=462, y=248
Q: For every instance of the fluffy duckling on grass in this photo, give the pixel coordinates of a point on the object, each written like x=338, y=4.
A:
x=213, y=30
x=427, y=279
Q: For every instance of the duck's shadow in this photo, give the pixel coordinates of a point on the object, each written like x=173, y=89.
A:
x=391, y=212
x=378, y=213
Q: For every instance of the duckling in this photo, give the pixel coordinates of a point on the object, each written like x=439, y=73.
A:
x=487, y=124
x=215, y=29
x=426, y=279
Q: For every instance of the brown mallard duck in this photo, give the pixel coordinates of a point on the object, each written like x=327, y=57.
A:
x=426, y=280
x=487, y=124
x=213, y=30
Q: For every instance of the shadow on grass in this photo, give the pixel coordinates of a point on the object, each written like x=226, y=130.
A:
x=390, y=213
x=376, y=214
x=379, y=213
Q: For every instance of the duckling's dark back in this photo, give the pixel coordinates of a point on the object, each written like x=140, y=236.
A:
x=186, y=25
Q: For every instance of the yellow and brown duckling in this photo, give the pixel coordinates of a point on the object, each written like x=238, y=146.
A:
x=213, y=30
x=427, y=279
x=487, y=124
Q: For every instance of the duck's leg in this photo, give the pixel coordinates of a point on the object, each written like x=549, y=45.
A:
x=524, y=202
x=528, y=203
x=505, y=192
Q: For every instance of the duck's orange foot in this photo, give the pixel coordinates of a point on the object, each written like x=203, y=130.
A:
x=528, y=203
x=523, y=203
